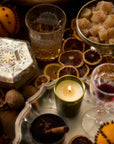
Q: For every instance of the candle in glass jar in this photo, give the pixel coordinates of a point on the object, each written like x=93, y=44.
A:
x=69, y=90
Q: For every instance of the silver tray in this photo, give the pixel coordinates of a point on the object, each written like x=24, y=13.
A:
x=44, y=102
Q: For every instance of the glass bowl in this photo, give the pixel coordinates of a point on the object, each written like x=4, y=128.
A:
x=103, y=47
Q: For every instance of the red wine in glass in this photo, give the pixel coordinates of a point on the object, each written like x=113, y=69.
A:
x=106, y=92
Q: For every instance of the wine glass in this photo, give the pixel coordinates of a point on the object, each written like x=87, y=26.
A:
x=102, y=94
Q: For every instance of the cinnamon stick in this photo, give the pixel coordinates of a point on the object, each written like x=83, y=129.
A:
x=58, y=130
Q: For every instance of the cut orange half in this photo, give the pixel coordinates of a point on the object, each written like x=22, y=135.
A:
x=92, y=57
x=67, y=70
x=51, y=70
x=71, y=57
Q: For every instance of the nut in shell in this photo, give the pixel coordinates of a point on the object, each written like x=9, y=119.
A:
x=29, y=91
x=14, y=99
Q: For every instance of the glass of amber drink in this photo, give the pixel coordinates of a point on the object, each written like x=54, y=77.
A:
x=45, y=23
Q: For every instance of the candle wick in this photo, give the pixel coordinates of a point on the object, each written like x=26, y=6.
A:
x=69, y=91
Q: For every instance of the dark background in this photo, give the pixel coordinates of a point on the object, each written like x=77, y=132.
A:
x=71, y=8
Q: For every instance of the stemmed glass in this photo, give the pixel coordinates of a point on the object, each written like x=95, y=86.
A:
x=102, y=94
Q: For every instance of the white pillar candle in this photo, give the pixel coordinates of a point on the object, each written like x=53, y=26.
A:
x=69, y=90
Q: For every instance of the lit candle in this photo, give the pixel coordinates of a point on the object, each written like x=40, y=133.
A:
x=69, y=88
x=69, y=91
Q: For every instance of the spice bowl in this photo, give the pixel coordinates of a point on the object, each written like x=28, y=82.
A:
x=80, y=139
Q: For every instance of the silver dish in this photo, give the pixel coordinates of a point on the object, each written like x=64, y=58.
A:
x=44, y=102
x=104, y=48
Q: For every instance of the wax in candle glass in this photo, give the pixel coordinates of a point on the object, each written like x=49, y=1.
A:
x=69, y=91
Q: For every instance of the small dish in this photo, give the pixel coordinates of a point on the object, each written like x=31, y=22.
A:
x=78, y=139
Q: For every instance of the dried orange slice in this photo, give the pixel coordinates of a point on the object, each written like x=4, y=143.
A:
x=92, y=57
x=51, y=70
x=71, y=57
x=64, y=70
x=73, y=26
x=77, y=36
x=108, y=58
x=83, y=71
x=73, y=44
x=68, y=32
x=41, y=79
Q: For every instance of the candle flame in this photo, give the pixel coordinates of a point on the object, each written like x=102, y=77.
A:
x=69, y=88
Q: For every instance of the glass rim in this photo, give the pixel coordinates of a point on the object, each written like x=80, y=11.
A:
x=51, y=5
x=93, y=81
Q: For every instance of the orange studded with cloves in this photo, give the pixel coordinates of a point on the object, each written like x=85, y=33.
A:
x=9, y=22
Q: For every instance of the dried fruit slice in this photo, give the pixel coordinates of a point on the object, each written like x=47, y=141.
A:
x=92, y=57
x=41, y=79
x=51, y=70
x=108, y=58
x=71, y=70
x=76, y=36
x=73, y=26
x=72, y=44
x=68, y=32
x=71, y=57
x=91, y=68
x=83, y=70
